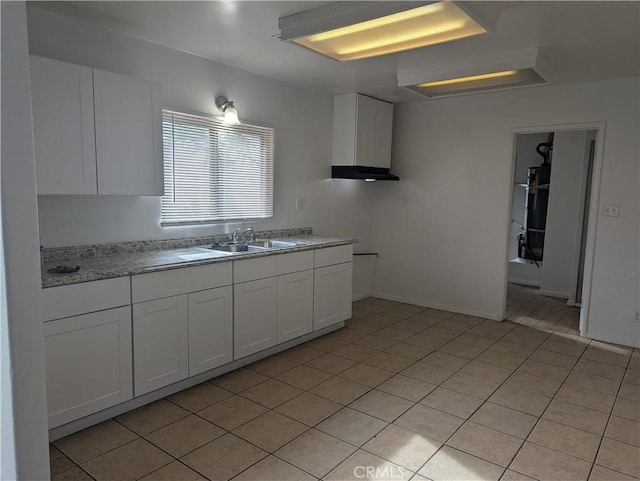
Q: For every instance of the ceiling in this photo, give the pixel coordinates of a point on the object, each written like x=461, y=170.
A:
x=583, y=41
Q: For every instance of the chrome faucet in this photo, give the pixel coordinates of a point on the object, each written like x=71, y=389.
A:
x=248, y=230
x=235, y=236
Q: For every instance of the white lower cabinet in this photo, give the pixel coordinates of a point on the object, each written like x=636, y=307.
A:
x=110, y=340
x=295, y=305
x=160, y=343
x=332, y=294
x=210, y=329
x=255, y=307
x=88, y=363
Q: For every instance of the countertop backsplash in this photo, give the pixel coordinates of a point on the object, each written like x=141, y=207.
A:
x=58, y=254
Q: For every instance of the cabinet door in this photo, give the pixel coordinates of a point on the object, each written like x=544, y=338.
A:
x=255, y=309
x=128, y=119
x=332, y=294
x=88, y=364
x=295, y=305
x=365, y=129
x=210, y=329
x=63, y=130
x=381, y=156
x=160, y=343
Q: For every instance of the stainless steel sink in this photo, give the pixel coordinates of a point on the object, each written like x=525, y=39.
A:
x=238, y=248
x=273, y=244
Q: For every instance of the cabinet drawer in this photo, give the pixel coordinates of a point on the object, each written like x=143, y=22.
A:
x=333, y=255
x=76, y=299
x=156, y=285
x=276, y=265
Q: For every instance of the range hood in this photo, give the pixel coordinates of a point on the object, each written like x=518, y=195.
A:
x=362, y=173
x=362, y=129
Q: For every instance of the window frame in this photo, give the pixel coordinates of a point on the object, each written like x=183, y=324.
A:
x=216, y=127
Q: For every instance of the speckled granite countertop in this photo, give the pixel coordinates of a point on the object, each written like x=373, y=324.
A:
x=96, y=267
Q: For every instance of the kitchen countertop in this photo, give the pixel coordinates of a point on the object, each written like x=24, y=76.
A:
x=106, y=267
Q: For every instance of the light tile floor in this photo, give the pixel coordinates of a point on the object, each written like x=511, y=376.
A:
x=402, y=392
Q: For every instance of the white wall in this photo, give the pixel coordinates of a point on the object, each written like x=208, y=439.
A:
x=448, y=246
x=302, y=120
x=303, y=127
x=23, y=429
x=564, y=214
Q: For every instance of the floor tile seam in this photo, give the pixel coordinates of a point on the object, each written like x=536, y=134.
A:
x=177, y=458
x=172, y=458
x=619, y=441
x=510, y=468
x=561, y=381
x=576, y=368
x=303, y=423
x=373, y=415
x=224, y=431
x=534, y=428
x=280, y=459
x=309, y=388
x=307, y=429
x=193, y=412
x=105, y=452
x=562, y=452
x=522, y=441
x=361, y=412
x=178, y=461
x=606, y=426
x=611, y=469
x=495, y=390
x=299, y=467
x=598, y=376
x=264, y=405
x=74, y=465
x=337, y=402
x=171, y=461
x=464, y=452
x=212, y=479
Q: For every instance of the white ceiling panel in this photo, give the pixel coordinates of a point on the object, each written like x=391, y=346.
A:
x=584, y=41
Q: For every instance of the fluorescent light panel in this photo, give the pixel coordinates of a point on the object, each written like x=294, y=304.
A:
x=411, y=28
x=479, y=83
x=507, y=70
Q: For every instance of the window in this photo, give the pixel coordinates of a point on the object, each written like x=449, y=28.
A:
x=215, y=172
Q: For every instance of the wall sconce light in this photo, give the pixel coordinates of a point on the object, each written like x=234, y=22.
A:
x=498, y=71
x=228, y=109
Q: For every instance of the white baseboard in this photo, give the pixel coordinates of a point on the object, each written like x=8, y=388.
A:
x=432, y=305
x=523, y=282
x=562, y=295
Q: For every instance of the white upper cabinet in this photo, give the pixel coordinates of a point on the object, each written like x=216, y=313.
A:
x=95, y=132
x=63, y=130
x=362, y=128
x=128, y=117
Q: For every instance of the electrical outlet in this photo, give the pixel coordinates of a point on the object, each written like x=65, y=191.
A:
x=611, y=210
x=299, y=203
x=405, y=202
x=636, y=317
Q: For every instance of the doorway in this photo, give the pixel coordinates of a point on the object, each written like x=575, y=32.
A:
x=550, y=235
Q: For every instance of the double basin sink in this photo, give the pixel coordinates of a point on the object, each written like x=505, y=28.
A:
x=258, y=246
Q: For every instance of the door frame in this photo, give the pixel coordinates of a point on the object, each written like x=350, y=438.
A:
x=594, y=200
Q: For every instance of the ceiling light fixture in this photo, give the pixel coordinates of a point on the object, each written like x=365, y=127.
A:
x=507, y=70
x=354, y=30
x=230, y=113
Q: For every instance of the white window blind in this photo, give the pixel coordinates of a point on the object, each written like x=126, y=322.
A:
x=215, y=172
